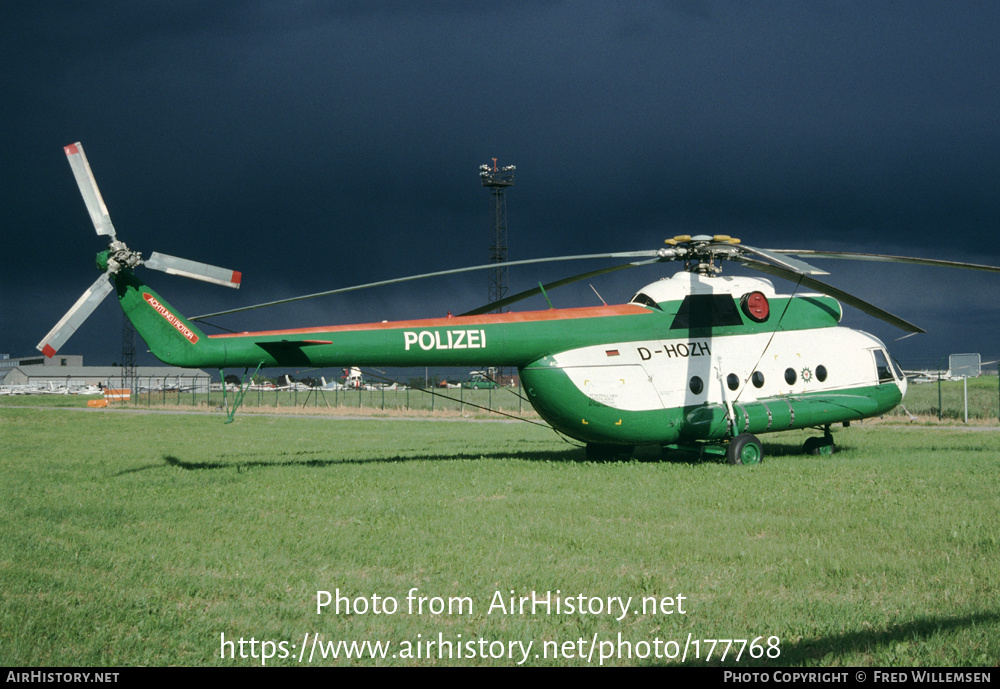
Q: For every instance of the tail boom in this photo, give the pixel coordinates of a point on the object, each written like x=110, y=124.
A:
x=511, y=339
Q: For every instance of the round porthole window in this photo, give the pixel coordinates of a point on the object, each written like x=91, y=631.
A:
x=696, y=385
x=733, y=381
x=790, y=376
x=757, y=379
x=821, y=373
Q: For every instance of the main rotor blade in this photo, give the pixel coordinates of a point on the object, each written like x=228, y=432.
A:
x=772, y=257
x=887, y=258
x=76, y=315
x=488, y=266
x=552, y=285
x=194, y=269
x=88, y=189
x=830, y=290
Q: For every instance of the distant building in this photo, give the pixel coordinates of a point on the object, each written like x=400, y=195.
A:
x=6, y=363
x=69, y=371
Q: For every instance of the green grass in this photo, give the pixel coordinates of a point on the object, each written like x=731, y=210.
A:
x=138, y=539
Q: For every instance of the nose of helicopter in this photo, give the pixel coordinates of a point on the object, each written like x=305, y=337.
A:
x=899, y=375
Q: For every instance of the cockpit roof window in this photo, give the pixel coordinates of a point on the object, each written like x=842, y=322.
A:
x=699, y=311
x=645, y=300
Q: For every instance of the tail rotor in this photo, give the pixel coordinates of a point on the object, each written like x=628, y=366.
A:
x=117, y=257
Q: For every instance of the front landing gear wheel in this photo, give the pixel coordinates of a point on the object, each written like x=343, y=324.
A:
x=745, y=449
x=818, y=446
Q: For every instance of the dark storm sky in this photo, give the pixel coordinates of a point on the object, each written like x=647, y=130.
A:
x=315, y=145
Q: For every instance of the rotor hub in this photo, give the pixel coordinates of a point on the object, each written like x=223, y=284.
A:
x=116, y=257
x=701, y=252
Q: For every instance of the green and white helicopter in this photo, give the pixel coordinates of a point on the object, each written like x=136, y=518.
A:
x=699, y=359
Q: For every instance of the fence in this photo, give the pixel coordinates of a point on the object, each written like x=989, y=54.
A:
x=947, y=400
x=180, y=391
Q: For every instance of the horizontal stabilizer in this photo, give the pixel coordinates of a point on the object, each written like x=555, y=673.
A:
x=290, y=352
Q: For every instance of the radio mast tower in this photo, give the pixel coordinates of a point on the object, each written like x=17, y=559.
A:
x=498, y=179
x=128, y=371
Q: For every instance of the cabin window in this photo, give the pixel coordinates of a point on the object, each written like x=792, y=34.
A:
x=645, y=300
x=821, y=373
x=790, y=376
x=757, y=379
x=696, y=385
x=733, y=381
x=706, y=311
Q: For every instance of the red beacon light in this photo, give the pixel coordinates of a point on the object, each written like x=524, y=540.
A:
x=755, y=306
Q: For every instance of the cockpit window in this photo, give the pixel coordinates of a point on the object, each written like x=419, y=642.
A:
x=645, y=300
x=883, y=367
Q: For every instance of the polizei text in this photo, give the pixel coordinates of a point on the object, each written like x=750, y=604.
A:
x=447, y=339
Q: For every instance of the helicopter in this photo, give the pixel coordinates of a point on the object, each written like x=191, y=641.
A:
x=698, y=360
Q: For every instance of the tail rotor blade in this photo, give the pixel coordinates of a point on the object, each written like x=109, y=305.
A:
x=88, y=189
x=194, y=269
x=75, y=317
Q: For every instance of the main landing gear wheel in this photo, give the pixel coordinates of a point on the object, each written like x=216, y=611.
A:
x=818, y=446
x=745, y=449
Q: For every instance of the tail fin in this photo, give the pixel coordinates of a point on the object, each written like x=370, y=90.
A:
x=171, y=337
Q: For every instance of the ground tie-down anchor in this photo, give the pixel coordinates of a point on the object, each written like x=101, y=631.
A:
x=240, y=392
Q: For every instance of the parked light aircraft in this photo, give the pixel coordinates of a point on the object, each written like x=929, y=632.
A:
x=51, y=388
x=930, y=376
x=937, y=375
x=696, y=359
x=292, y=385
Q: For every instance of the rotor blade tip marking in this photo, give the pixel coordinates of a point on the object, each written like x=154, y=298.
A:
x=237, y=277
x=72, y=149
x=48, y=351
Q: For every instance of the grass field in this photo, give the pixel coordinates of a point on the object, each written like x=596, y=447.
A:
x=133, y=538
